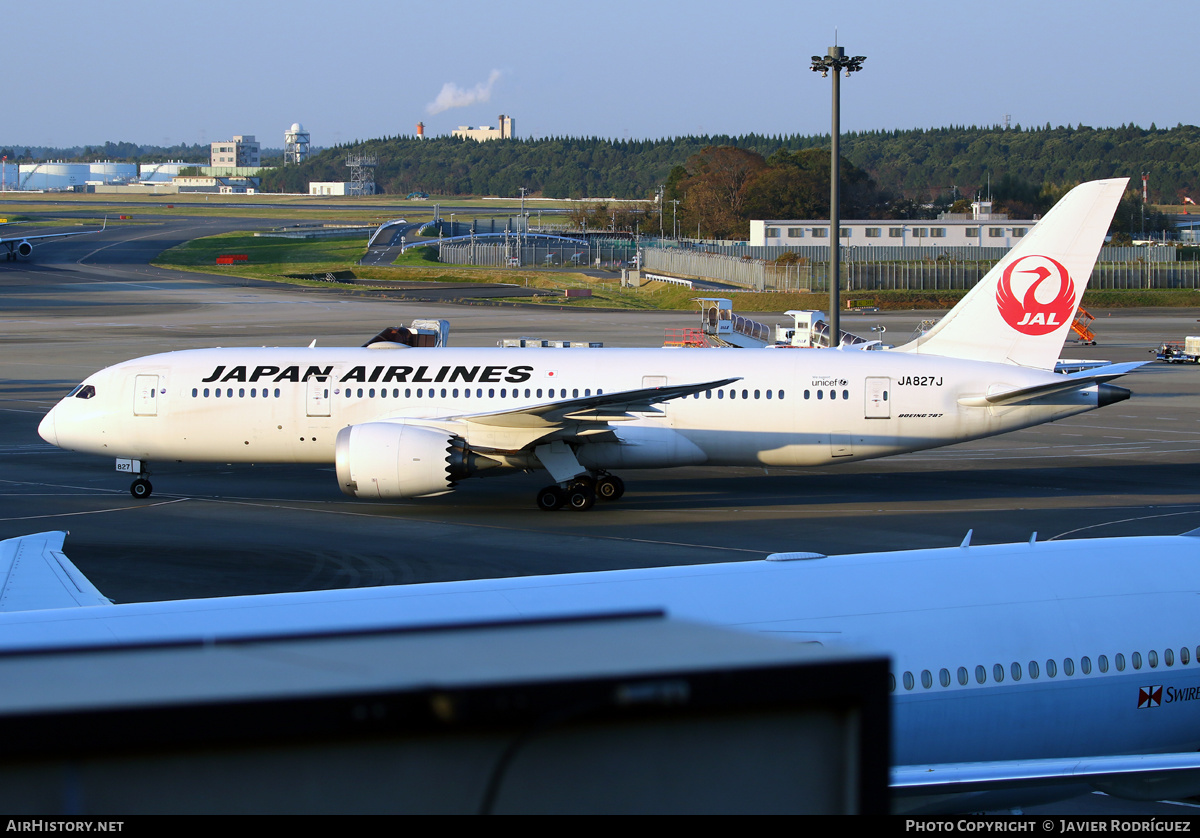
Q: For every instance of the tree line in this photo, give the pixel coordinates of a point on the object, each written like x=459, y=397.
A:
x=918, y=164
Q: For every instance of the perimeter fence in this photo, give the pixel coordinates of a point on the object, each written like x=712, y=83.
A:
x=943, y=273
x=544, y=255
x=912, y=275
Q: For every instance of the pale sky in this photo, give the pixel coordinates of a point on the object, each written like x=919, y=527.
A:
x=80, y=72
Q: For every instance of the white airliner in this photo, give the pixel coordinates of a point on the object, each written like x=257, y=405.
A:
x=1020, y=672
x=404, y=422
x=20, y=246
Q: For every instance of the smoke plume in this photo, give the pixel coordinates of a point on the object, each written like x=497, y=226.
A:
x=453, y=96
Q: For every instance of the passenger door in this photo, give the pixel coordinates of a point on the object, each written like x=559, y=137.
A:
x=318, y=396
x=878, y=405
x=145, y=395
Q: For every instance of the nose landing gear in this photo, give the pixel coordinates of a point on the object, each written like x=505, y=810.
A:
x=140, y=488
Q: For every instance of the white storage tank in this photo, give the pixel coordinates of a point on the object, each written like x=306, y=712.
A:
x=162, y=172
x=53, y=175
x=112, y=172
x=9, y=172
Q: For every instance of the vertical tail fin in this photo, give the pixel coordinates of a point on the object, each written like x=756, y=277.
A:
x=1021, y=311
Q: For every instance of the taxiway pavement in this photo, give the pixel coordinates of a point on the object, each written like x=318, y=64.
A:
x=213, y=530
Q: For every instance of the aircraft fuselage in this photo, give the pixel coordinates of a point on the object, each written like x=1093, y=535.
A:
x=789, y=408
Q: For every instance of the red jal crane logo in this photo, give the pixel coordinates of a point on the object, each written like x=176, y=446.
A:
x=1033, y=314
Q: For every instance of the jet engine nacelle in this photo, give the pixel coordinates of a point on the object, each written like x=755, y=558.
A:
x=24, y=249
x=394, y=460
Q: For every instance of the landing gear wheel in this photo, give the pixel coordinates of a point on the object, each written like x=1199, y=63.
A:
x=581, y=498
x=551, y=498
x=610, y=488
x=141, y=488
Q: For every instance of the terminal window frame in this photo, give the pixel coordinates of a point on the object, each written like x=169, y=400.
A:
x=820, y=232
x=873, y=232
x=772, y=232
x=895, y=232
x=795, y=232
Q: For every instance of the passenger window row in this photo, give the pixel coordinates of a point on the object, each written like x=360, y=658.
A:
x=466, y=393
x=833, y=394
x=735, y=394
x=1034, y=671
x=216, y=393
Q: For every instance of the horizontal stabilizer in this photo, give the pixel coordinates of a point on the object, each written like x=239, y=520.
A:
x=1064, y=383
x=36, y=576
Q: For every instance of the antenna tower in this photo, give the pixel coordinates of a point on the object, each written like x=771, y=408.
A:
x=362, y=173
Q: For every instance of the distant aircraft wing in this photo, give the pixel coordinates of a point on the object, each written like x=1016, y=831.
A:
x=35, y=575
x=1135, y=777
x=48, y=236
x=12, y=241
x=1062, y=384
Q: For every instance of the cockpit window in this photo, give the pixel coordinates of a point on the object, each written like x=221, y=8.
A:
x=84, y=391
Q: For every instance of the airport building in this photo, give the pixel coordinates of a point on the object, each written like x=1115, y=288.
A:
x=241, y=151
x=982, y=228
x=330, y=188
x=484, y=132
x=224, y=185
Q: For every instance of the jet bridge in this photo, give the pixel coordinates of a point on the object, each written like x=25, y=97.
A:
x=720, y=327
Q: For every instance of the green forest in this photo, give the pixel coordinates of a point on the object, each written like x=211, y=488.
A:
x=713, y=185
x=920, y=164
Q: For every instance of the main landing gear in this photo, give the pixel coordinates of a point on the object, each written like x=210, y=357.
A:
x=581, y=493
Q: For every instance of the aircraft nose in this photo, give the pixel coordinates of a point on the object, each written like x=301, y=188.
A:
x=46, y=428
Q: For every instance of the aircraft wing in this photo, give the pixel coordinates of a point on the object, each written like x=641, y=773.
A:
x=13, y=239
x=564, y=419
x=35, y=575
x=608, y=407
x=1063, y=383
x=48, y=236
x=1135, y=777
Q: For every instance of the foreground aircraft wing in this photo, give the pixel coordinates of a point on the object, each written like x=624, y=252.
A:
x=35, y=575
x=608, y=407
x=1073, y=381
x=1136, y=777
